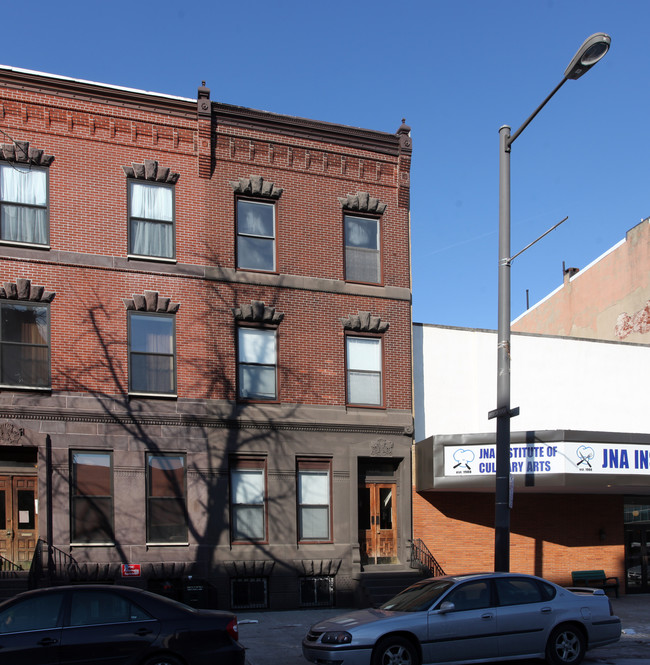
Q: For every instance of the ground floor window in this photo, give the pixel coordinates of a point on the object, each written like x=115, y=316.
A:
x=316, y=591
x=91, y=510
x=166, y=499
x=248, y=593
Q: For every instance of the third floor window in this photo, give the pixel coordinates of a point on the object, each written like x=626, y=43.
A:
x=24, y=204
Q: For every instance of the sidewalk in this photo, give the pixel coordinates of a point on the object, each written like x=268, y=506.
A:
x=275, y=638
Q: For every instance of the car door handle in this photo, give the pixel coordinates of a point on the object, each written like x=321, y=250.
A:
x=487, y=616
x=546, y=610
x=47, y=642
x=142, y=631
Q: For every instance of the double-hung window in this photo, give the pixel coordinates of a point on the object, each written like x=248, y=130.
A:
x=314, y=501
x=151, y=220
x=24, y=344
x=152, y=353
x=248, y=500
x=257, y=363
x=91, y=510
x=362, y=251
x=255, y=235
x=166, y=499
x=364, y=370
x=23, y=204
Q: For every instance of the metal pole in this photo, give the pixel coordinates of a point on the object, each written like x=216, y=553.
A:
x=502, y=488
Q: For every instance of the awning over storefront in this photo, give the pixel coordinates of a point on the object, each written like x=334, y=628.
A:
x=549, y=461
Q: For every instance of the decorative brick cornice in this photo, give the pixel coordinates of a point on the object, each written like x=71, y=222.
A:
x=151, y=171
x=256, y=186
x=258, y=312
x=364, y=322
x=20, y=152
x=362, y=202
x=23, y=289
x=150, y=301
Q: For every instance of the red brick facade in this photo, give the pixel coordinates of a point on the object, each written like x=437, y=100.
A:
x=95, y=131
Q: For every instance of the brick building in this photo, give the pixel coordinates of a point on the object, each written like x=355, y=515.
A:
x=205, y=344
x=609, y=299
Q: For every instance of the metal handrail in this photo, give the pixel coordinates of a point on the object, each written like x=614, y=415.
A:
x=423, y=559
x=57, y=564
x=7, y=566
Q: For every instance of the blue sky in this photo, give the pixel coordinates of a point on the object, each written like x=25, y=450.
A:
x=457, y=70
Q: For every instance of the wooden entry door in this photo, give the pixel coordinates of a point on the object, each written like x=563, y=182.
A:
x=18, y=518
x=377, y=523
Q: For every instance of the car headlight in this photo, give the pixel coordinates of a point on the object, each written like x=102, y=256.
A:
x=336, y=637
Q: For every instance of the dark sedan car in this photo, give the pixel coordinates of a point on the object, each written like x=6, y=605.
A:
x=113, y=625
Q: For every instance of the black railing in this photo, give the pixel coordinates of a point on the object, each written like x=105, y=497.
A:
x=7, y=566
x=50, y=565
x=423, y=559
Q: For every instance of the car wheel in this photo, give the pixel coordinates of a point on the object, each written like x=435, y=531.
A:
x=395, y=651
x=566, y=646
x=162, y=660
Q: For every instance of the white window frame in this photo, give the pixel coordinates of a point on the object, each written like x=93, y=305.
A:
x=255, y=355
x=6, y=345
x=351, y=249
x=363, y=367
x=148, y=217
x=316, y=498
x=24, y=202
x=247, y=236
x=134, y=388
x=248, y=494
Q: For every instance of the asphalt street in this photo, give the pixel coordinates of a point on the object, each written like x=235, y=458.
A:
x=275, y=638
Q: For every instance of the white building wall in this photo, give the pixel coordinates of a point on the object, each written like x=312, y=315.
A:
x=558, y=383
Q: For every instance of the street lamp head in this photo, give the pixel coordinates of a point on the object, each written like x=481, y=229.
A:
x=591, y=51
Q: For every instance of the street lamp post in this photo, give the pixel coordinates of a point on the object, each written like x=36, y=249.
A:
x=591, y=51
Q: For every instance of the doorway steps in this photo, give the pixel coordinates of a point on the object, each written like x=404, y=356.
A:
x=13, y=582
x=380, y=583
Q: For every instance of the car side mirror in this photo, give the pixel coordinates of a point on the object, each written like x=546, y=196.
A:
x=446, y=606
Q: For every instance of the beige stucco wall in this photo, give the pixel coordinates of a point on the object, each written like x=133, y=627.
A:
x=608, y=300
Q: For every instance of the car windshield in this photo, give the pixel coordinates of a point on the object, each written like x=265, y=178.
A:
x=418, y=597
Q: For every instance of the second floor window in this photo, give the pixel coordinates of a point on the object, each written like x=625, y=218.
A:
x=151, y=220
x=152, y=353
x=364, y=370
x=255, y=235
x=257, y=363
x=24, y=344
x=362, y=257
x=23, y=202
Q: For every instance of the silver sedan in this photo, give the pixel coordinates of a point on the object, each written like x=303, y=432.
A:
x=469, y=618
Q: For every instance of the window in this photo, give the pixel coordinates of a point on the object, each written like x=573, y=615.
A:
x=471, y=596
x=248, y=593
x=24, y=344
x=91, y=510
x=316, y=591
x=88, y=608
x=255, y=235
x=166, y=499
x=152, y=353
x=257, y=363
x=23, y=200
x=362, y=262
x=40, y=613
x=151, y=220
x=314, y=501
x=364, y=363
x=520, y=592
x=248, y=500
